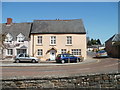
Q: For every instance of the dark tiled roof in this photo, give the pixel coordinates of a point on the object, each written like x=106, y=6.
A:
x=115, y=37
x=58, y=26
x=16, y=28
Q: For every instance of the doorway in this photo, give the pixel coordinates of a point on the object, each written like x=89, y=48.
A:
x=52, y=54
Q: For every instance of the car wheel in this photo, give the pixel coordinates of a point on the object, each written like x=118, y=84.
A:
x=17, y=61
x=33, y=61
x=62, y=61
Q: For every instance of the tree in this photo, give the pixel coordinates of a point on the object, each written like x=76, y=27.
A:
x=93, y=42
x=98, y=42
x=89, y=43
x=2, y=46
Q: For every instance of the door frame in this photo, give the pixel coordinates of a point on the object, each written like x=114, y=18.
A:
x=52, y=51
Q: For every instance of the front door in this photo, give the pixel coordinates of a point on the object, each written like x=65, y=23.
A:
x=52, y=55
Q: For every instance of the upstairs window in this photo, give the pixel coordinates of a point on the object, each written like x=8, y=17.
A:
x=8, y=38
x=53, y=40
x=69, y=40
x=20, y=38
x=39, y=40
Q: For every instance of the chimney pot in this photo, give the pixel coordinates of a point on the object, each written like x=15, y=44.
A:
x=9, y=20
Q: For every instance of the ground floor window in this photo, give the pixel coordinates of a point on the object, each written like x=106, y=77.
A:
x=63, y=51
x=76, y=51
x=39, y=52
x=9, y=51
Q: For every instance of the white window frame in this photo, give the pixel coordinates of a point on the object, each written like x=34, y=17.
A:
x=39, y=40
x=63, y=51
x=69, y=40
x=40, y=52
x=20, y=38
x=8, y=38
x=76, y=52
x=53, y=40
x=9, y=52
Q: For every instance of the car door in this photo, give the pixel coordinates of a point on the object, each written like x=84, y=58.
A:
x=72, y=58
x=68, y=58
x=27, y=58
x=21, y=57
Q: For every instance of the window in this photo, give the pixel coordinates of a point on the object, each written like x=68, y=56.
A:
x=69, y=40
x=26, y=55
x=40, y=52
x=8, y=38
x=10, y=52
x=20, y=38
x=39, y=40
x=63, y=51
x=76, y=51
x=53, y=40
x=21, y=55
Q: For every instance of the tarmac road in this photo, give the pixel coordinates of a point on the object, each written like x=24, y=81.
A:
x=90, y=66
x=107, y=65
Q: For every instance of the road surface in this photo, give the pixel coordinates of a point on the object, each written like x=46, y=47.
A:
x=102, y=65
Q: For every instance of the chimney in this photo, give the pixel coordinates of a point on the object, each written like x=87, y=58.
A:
x=9, y=21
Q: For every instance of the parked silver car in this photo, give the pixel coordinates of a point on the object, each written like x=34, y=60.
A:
x=25, y=57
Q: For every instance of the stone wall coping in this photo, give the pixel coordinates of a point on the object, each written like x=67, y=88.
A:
x=58, y=77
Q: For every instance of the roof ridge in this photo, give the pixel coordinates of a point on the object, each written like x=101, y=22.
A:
x=53, y=20
x=59, y=20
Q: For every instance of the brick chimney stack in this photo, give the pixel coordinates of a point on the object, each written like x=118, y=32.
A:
x=9, y=21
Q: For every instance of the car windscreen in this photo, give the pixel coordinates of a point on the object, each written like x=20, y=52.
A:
x=21, y=55
x=101, y=51
x=58, y=55
x=67, y=55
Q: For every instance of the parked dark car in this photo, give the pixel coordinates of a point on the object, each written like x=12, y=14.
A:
x=65, y=58
x=25, y=57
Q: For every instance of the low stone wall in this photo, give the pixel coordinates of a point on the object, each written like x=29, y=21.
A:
x=82, y=81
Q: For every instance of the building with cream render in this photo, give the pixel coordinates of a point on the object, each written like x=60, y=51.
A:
x=51, y=37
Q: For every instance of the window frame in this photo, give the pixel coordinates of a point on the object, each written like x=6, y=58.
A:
x=76, y=52
x=63, y=51
x=8, y=38
x=39, y=40
x=20, y=38
x=68, y=40
x=53, y=40
x=39, y=52
x=9, y=52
